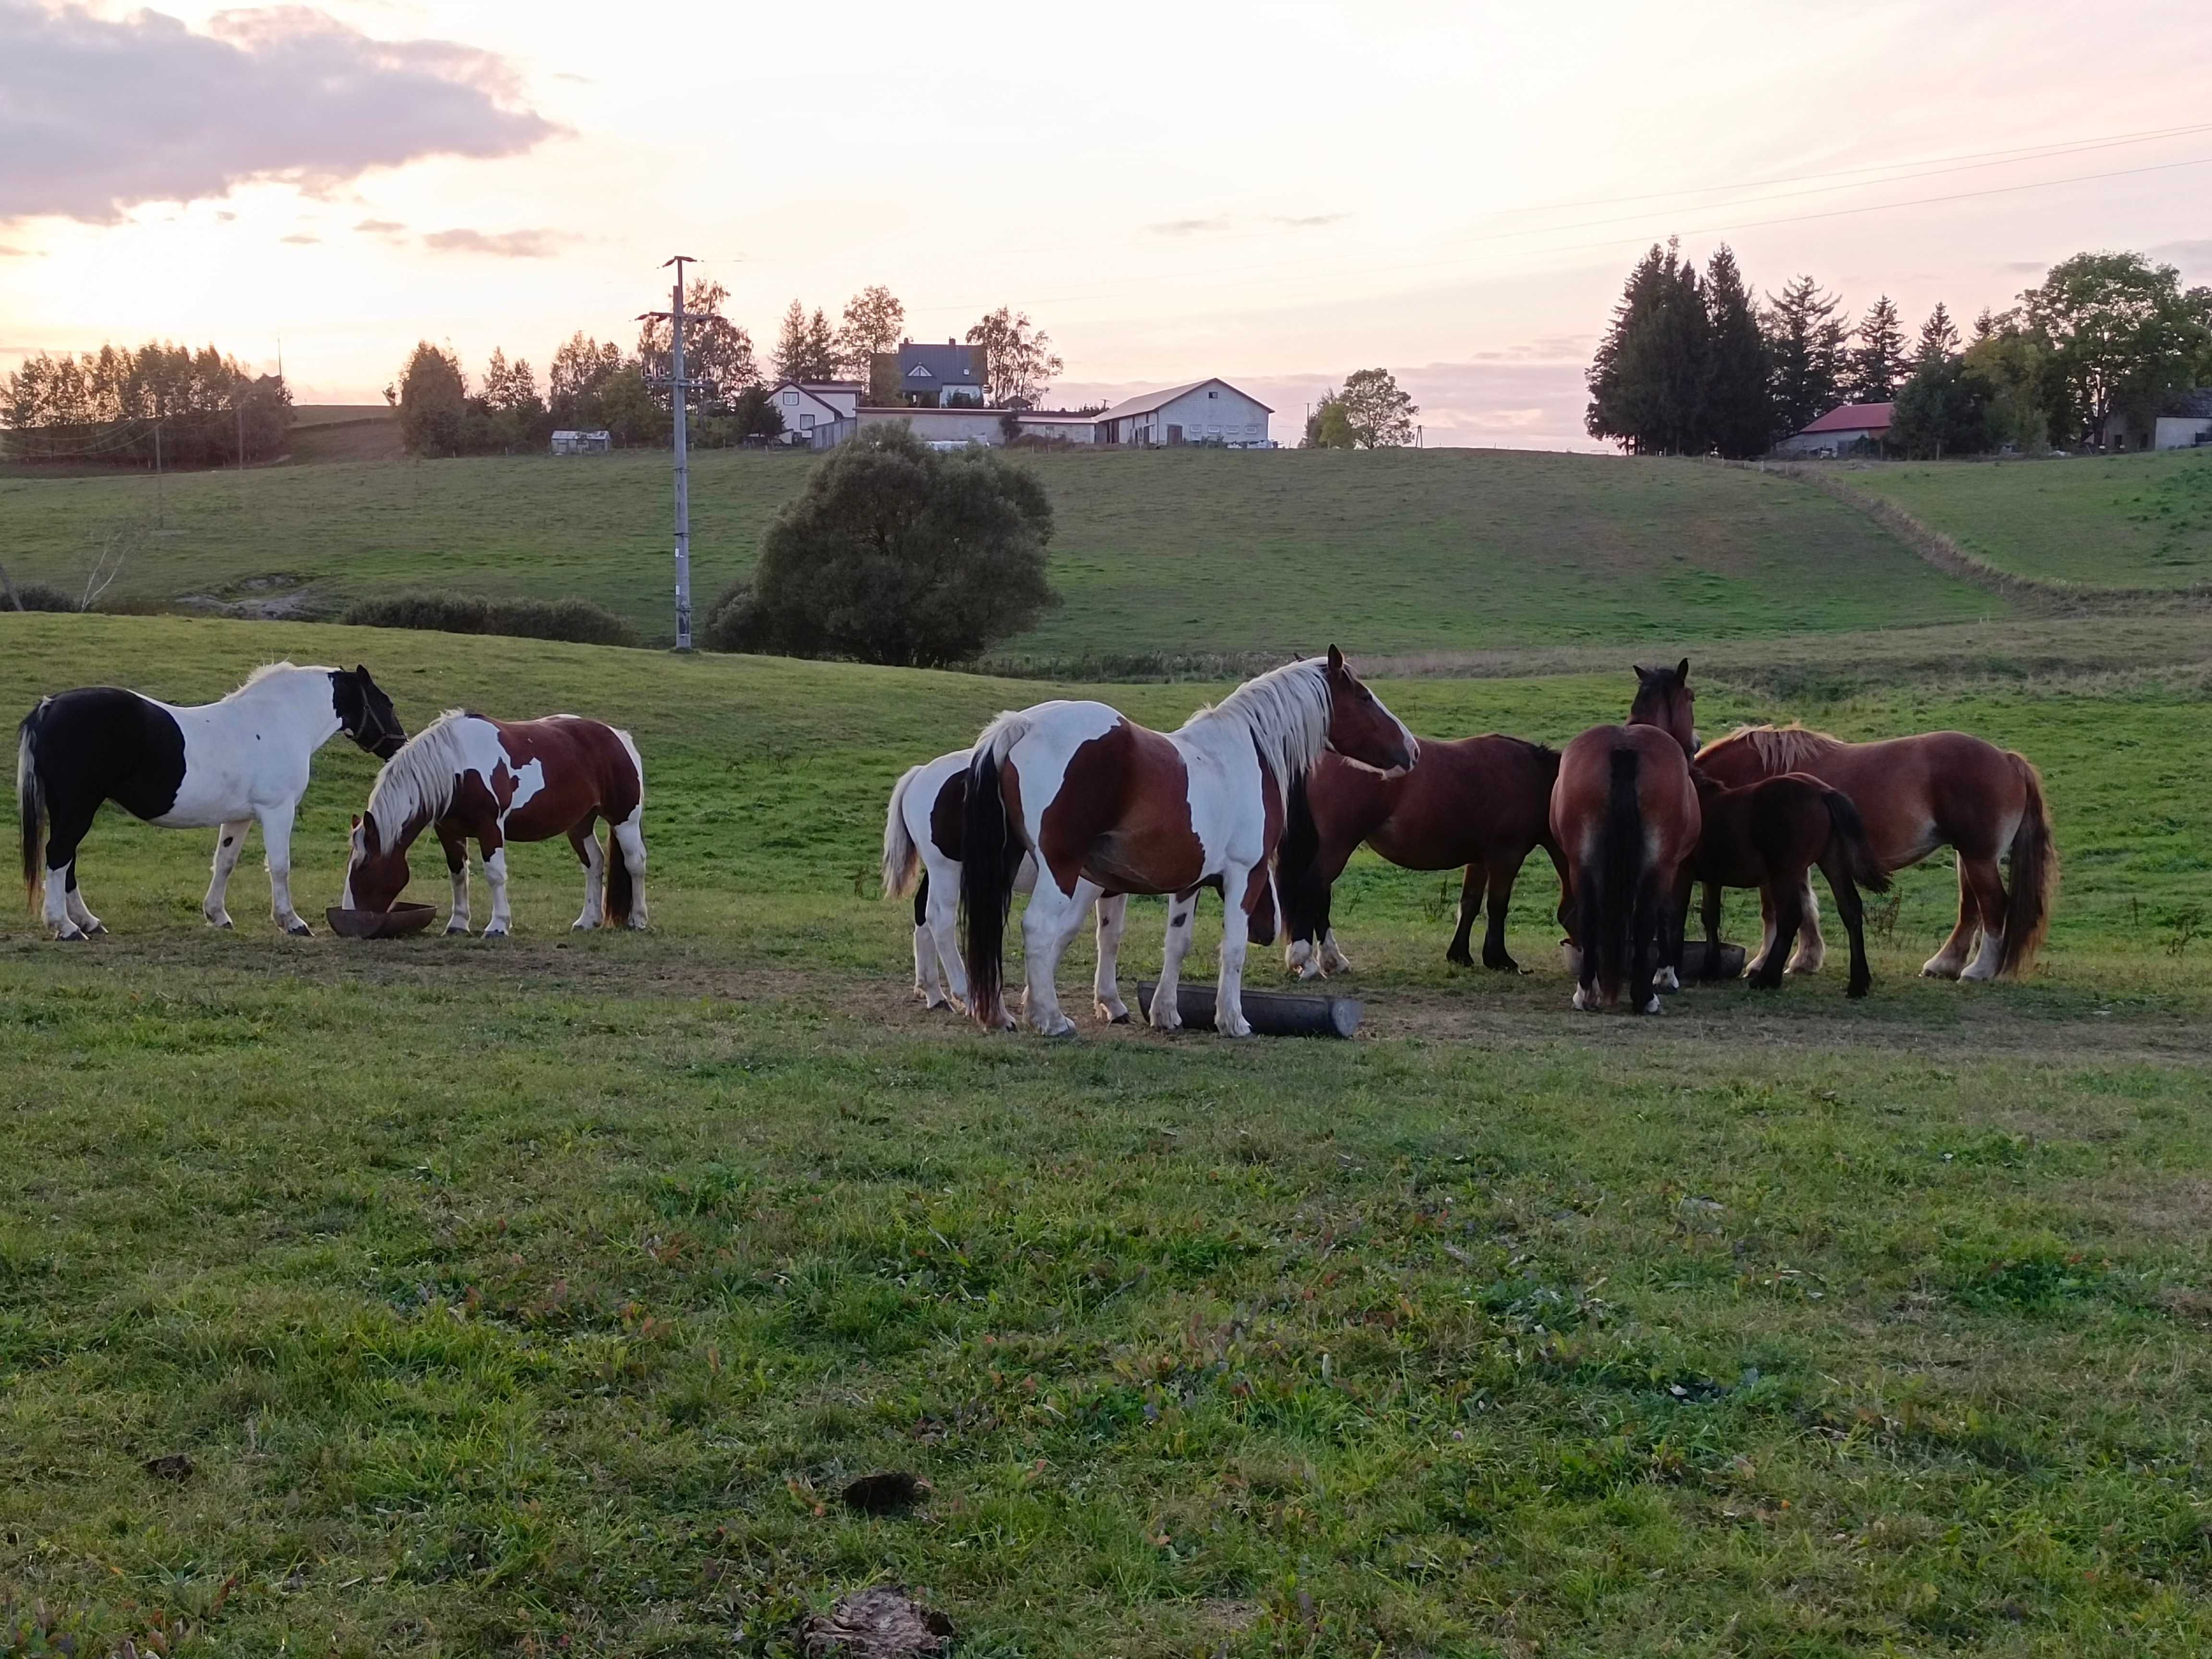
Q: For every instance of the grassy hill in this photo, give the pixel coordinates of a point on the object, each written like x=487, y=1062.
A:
x=1187, y=553
x=543, y=1296
x=2107, y=521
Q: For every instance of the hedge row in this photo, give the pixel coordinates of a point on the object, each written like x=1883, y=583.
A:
x=577, y=621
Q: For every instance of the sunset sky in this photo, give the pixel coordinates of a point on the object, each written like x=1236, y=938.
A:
x=1275, y=192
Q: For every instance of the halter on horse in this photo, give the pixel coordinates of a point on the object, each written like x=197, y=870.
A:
x=1107, y=807
x=193, y=767
x=496, y=781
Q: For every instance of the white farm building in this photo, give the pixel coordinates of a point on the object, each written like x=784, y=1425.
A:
x=1205, y=411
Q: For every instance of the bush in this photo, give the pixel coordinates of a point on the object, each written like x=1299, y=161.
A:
x=895, y=554
x=38, y=596
x=576, y=621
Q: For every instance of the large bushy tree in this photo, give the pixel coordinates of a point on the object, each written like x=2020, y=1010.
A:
x=434, y=402
x=714, y=348
x=896, y=553
x=868, y=342
x=1804, y=353
x=1018, y=361
x=1942, y=409
x=2120, y=334
x=1648, y=382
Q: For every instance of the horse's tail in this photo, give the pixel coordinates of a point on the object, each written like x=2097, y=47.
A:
x=2034, y=874
x=30, y=798
x=1848, y=843
x=988, y=859
x=621, y=890
x=1295, y=856
x=901, y=856
x=1620, y=866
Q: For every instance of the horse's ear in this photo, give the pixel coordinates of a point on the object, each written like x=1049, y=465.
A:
x=363, y=670
x=1642, y=672
x=356, y=820
x=1335, y=660
x=1682, y=672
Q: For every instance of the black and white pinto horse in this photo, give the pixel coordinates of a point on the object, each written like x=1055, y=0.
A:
x=921, y=852
x=224, y=764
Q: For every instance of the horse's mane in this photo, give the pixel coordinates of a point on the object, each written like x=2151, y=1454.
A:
x=418, y=781
x=270, y=670
x=1286, y=711
x=1779, y=748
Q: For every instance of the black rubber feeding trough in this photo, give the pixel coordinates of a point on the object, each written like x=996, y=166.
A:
x=1693, y=961
x=1271, y=1014
x=397, y=923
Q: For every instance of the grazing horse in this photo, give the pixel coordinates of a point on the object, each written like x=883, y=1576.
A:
x=210, y=765
x=921, y=851
x=1107, y=806
x=496, y=781
x=1769, y=835
x=1625, y=814
x=1482, y=802
x=1917, y=793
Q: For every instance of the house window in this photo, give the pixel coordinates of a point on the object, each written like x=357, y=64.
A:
x=1213, y=394
x=806, y=422
x=791, y=400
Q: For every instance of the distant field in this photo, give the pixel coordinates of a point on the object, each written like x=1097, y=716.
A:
x=1177, y=553
x=2116, y=521
x=541, y=1297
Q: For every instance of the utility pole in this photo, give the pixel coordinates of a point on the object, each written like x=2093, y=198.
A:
x=679, y=389
x=161, y=499
x=237, y=403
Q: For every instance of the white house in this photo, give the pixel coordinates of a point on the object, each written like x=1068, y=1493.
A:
x=1841, y=430
x=1205, y=411
x=809, y=405
x=2182, y=421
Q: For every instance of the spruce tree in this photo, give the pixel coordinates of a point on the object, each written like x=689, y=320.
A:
x=1804, y=353
x=1878, y=364
x=1939, y=336
x=1615, y=404
x=792, y=351
x=1648, y=381
x=1738, y=407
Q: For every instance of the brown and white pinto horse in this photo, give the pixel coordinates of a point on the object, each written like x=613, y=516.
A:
x=1625, y=813
x=1482, y=802
x=1917, y=793
x=495, y=782
x=1107, y=806
x=1770, y=834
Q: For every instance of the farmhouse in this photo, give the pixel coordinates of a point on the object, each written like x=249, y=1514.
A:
x=1843, y=428
x=2182, y=421
x=940, y=376
x=819, y=413
x=1203, y=411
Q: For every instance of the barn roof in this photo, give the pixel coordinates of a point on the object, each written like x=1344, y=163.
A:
x=1856, y=417
x=1152, y=400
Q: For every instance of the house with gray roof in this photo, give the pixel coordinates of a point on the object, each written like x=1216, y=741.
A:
x=2182, y=421
x=940, y=376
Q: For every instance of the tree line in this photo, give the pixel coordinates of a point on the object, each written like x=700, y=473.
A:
x=161, y=403
x=1692, y=365
x=594, y=384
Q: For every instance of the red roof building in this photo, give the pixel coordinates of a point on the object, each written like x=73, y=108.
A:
x=1840, y=429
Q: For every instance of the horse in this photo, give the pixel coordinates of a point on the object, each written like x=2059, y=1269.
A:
x=491, y=781
x=1769, y=835
x=1916, y=794
x=921, y=853
x=1107, y=806
x=1482, y=802
x=1625, y=814
x=219, y=765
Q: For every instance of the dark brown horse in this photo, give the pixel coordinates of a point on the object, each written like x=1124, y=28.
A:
x=1916, y=794
x=1625, y=813
x=495, y=782
x=1482, y=802
x=1769, y=835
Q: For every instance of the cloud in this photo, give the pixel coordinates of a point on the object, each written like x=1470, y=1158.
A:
x=381, y=227
x=1310, y=221
x=1191, y=227
x=299, y=238
x=1221, y=222
x=98, y=116
x=499, y=244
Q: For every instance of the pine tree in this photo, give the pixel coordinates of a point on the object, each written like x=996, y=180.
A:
x=1610, y=415
x=1939, y=336
x=1878, y=364
x=1647, y=381
x=805, y=347
x=1738, y=407
x=1985, y=325
x=1804, y=353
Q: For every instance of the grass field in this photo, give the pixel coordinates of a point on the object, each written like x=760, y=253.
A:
x=541, y=1297
x=1184, y=554
x=2106, y=521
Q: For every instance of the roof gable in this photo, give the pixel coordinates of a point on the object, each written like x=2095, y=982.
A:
x=1151, y=401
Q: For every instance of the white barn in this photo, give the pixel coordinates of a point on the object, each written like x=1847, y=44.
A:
x=1203, y=411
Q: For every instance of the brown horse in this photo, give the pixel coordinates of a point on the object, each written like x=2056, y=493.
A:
x=1107, y=806
x=1916, y=794
x=1483, y=802
x=1625, y=813
x=496, y=781
x=1769, y=835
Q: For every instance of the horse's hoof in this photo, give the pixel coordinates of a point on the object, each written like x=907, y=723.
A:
x=456, y=930
x=1112, y=1013
x=71, y=934
x=1584, y=1002
x=635, y=925
x=1652, y=1006
x=97, y=928
x=1243, y=1028
x=1059, y=1026
x=222, y=922
x=299, y=930
x=494, y=932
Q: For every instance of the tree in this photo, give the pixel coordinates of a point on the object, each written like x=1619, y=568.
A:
x=508, y=385
x=509, y=413
x=1329, y=425
x=895, y=553
x=1018, y=361
x=582, y=368
x=2121, y=335
x=1380, y=415
x=1804, y=353
x=875, y=322
x=1985, y=325
x=1942, y=409
x=1739, y=417
x=2015, y=368
x=434, y=402
x=1877, y=364
x=111, y=404
x=806, y=347
x=1648, y=381
x=1939, y=335
x=714, y=348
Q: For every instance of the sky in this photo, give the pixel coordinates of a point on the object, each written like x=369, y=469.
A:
x=1276, y=193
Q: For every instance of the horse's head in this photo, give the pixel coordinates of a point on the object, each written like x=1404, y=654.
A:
x=365, y=714
x=1664, y=699
x=1360, y=728
x=376, y=872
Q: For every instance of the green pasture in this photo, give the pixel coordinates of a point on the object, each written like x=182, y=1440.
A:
x=541, y=1297
x=1165, y=554
x=2103, y=521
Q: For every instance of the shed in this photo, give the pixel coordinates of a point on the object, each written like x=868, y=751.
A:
x=1842, y=430
x=582, y=443
x=1205, y=411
